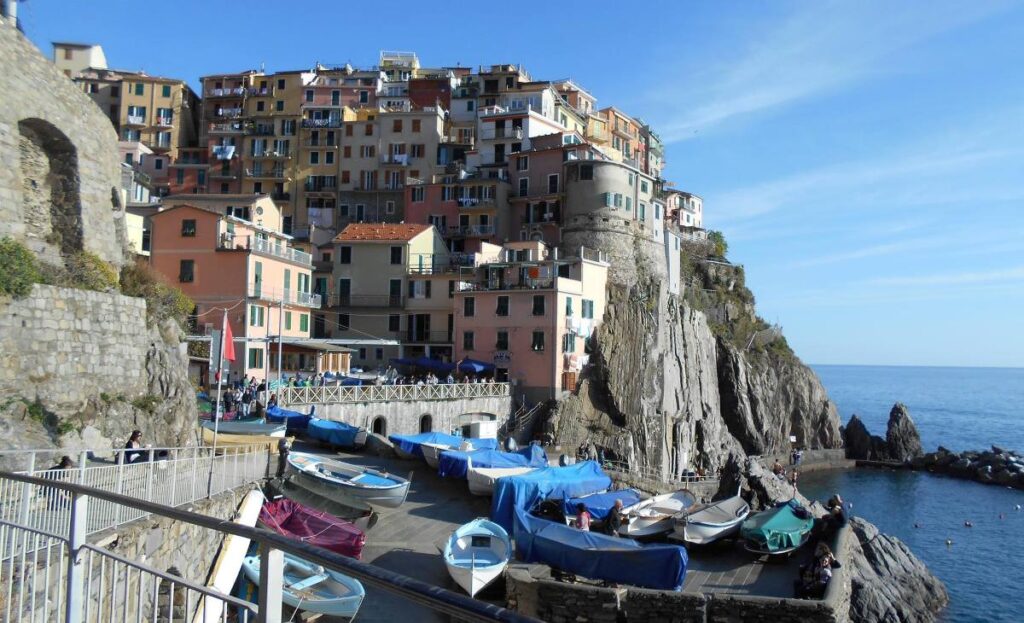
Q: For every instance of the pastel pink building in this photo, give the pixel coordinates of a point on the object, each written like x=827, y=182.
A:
x=531, y=314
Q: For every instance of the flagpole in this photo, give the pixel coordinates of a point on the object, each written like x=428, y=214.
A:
x=220, y=382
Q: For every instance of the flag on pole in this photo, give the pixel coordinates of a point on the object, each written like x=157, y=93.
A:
x=229, y=340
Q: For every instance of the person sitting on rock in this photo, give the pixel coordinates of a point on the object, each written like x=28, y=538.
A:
x=779, y=470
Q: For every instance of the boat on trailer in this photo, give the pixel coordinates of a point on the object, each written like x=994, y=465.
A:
x=707, y=523
x=351, y=485
x=654, y=516
x=476, y=554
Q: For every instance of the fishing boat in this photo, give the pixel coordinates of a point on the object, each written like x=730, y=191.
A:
x=482, y=479
x=351, y=485
x=432, y=451
x=248, y=427
x=653, y=516
x=312, y=526
x=312, y=588
x=412, y=446
x=336, y=433
x=778, y=530
x=707, y=523
x=476, y=554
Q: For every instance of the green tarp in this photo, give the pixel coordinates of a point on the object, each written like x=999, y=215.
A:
x=781, y=528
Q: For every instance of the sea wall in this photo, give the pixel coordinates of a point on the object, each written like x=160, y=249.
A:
x=404, y=417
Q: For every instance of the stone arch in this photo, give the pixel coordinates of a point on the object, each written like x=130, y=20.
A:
x=379, y=426
x=426, y=423
x=50, y=187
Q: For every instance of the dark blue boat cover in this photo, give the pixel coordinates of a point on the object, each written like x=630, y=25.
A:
x=337, y=433
x=598, y=556
x=455, y=463
x=296, y=421
x=524, y=491
x=412, y=443
x=600, y=503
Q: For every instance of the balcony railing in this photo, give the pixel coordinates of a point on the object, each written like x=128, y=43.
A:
x=526, y=284
x=402, y=159
x=260, y=91
x=493, y=133
x=342, y=394
x=259, y=130
x=230, y=127
x=288, y=297
x=228, y=113
x=321, y=123
x=274, y=153
x=473, y=202
x=367, y=300
x=274, y=174
x=265, y=247
x=136, y=120
x=319, y=143
x=471, y=230
x=429, y=263
x=228, y=92
x=165, y=122
x=281, y=196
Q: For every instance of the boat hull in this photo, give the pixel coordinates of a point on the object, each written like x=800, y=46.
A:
x=343, y=605
x=711, y=522
x=474, y=564
x=432, y=454
x=656, y=516
x=481, y=480
x=224, y=439
x=348, y=494
x=248, y=428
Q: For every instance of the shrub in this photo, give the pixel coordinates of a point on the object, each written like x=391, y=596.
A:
x=88, y=271
x=18, y=268
x=162, y=301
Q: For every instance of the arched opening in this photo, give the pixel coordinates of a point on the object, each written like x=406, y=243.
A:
x=380, y=426
x=51, y=205
x=426, y=423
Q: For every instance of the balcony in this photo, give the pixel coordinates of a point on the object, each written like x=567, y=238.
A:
x=230, y=127
x=281, y=196
x=431, y=264
x=320, y=143
x=272, y=174
x=260, y=91
x=259, y=130
x=387, y=301
x=228, y=113
x=164, y=122
x=471, y=231
x=274, y=154
x=228, y=92
x=425, y=337
x=499, y=285
x=321, y=123
x=288, y=297
x=161, y=144
x=135, y=120
x=317, y=187
x=221, y=174
x=499, y=133
x=265, y=247
x=399, y=159
x=469, y=203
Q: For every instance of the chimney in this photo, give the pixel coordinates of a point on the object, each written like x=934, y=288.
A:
x=10, y=11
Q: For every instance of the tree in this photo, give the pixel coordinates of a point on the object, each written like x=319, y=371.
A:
x=716, y=238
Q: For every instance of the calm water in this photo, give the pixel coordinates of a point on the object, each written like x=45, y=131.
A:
x=960, y=408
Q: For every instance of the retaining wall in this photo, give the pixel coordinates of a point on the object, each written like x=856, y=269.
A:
x=404, y=417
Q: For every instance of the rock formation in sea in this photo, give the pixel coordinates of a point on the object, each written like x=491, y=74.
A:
x=902, y=442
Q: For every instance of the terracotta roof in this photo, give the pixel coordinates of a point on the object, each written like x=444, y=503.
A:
x=379, y=232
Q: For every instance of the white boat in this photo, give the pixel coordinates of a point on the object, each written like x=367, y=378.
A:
x=229, y=560
x=481, y=479
x=432, y=451
x=707, y=523
x=253, y=427
x=654, y=516
x=476, y=554
x=312, y=588
x=351, y=485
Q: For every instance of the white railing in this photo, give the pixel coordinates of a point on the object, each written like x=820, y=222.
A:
x=136, y=120
x=165, y=121
x=261, y=245
x=343, y=394
x=288, y=297
x=230, y=91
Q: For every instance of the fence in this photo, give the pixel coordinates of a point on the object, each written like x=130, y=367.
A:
x=74, y=581
x=167, y=476
x=390, y=393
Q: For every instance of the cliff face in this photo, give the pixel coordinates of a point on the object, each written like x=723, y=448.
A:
x=670, y=388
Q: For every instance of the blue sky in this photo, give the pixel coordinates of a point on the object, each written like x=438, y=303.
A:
x=864, y=159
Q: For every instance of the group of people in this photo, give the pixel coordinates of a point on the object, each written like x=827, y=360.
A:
x=816, y=573
x=584, y=518
x=391, y=376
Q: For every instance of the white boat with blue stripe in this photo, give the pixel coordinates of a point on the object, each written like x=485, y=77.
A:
x=351, y=485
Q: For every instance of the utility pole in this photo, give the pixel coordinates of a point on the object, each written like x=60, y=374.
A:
x=280, y=340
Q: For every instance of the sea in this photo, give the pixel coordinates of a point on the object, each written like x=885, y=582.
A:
x=961, y=409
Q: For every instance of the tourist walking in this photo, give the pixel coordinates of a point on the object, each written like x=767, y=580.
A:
x=614, y=521
x=246, y=401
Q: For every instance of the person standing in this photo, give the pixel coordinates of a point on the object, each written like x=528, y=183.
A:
x=246, y=401
x=582, y=517
x=614, y=521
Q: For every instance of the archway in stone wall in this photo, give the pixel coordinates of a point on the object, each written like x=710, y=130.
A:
x=50, y=186
x=379, y=426
x=426, y=423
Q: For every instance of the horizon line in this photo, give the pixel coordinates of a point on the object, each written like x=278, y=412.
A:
x=915, y=365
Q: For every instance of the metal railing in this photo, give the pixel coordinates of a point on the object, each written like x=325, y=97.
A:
x=321, y=123
x=136, y=120
x=230, y=127
x=492, y=133
x=288, y=297
x=76, y=581
x=367, y=300
x=225, y=92
x=390, y=393
x=471, y=230
x=262, y=245
x=623, y=467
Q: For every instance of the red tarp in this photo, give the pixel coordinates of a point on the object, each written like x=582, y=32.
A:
x=312, y=526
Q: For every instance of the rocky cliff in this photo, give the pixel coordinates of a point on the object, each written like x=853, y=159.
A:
x=681, y=382
x=902, y=442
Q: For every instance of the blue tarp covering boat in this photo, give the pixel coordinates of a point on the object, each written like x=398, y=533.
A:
x=335, y=433
x=600, y=503
x=597, y=556
x=455, y=463
x=410, y=444
x=295, y=420
x=524, y=491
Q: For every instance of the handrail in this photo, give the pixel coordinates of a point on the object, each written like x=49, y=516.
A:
x=415, y=590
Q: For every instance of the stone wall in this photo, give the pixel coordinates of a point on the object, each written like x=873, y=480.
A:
x=403, y=418
x=59, y=163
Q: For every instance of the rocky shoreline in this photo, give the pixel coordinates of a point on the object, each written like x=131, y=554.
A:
x=995, y=466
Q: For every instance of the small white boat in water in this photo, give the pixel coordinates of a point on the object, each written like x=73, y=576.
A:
x=351, y=485
x=654, y=516
x=707, y=523
x=476, y=554
x=312, y=588
x=481, y=479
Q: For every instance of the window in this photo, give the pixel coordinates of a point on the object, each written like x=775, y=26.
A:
x=279, y=105
x=188, y=228
x=115, y=92
x=537, y=344
x=256, y=316
x=329, y=157
x=260, y=107
x=346, y=178
x=343, y=322
x=522, y=163
x=256, y=358
x=618, y=200
x=368, y=129
x=569, y=343
x=467, y=340
x=343, y=209
x=643, y=211
x=416, y=123
x=389, y=207
x=417, y=151
x=362, y=355
x=502, y=342
x=345, y=254
x=630, y=179
x=608, y=198
x=348, y=130
x=568, y=306
x=304, y=323
x=586, y=172
x=140, y=88
x=470, y=105
x=524, y=186
x=588, y=309
x=629, y=204
x=67, y=54
x=396, y=255
x=538, y=305
x=502, y=309
x=288, y=321
x=186, y=271
x=314, y=157
x=657, y=212
x=553, y=183
x=469, y=307
x=309, y=95
x=394, y=323
x=364, y=97
x=396, y=125
x=643, y=186
x=280, y=83
x=158, y=163
x=379, y=353
x=166, y=90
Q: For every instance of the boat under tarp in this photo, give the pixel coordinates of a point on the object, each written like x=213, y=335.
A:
x=524, y=491
x=312, y=526
x=296, y=421
x=455, y=463
x=778, y=530
x=600, y=504
x=336, y=433
x=598, y=556
x=408, y=446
